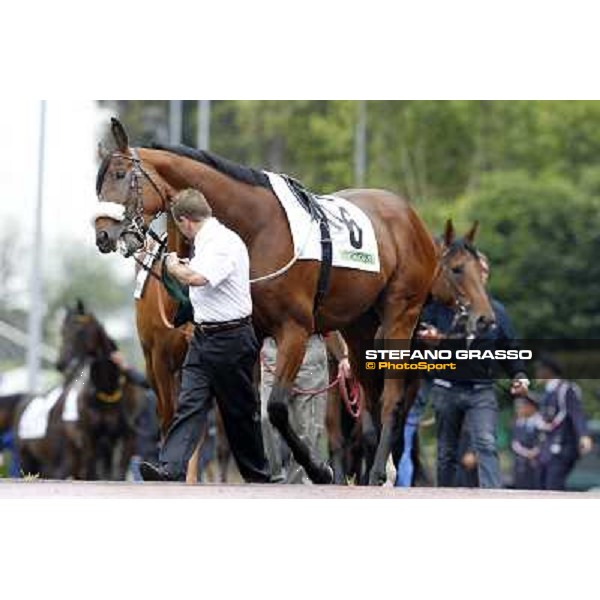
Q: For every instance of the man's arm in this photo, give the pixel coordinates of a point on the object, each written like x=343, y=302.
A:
x=183, y=273
x=506, y=340
x=336, y=344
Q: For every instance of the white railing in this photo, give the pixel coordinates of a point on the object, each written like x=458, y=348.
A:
x=20, y=338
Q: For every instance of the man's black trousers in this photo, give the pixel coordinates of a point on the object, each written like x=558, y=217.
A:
x=220, y=365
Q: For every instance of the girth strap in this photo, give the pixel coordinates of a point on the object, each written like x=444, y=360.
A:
x=326, y=258
x=310, y=204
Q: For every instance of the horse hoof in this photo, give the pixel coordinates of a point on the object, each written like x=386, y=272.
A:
x=322, y=474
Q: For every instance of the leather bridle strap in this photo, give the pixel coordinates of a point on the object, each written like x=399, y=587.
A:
x=139, y=169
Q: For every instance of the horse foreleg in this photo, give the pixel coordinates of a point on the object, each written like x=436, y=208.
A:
x=398, y=325
x=291, y=345
x=191, y=475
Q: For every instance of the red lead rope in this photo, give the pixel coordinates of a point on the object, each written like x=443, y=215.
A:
x=350, y=390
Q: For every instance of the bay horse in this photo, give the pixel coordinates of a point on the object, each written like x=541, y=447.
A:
x=457, y=284
x=136, y=184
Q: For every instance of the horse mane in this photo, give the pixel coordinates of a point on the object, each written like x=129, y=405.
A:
x=223, y=165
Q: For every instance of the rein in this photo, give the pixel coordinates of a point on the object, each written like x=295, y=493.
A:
x=157, y=256
x=134, y=212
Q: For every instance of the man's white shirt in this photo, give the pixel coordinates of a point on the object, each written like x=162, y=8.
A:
x=221, y=257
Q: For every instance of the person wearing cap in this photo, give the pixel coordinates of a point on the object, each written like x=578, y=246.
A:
x=470, y=401
x=564, y=433
x=525, y=444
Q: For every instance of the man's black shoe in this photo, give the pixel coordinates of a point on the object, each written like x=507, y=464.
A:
x=150, y=472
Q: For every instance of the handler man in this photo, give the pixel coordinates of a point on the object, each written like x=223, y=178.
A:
x=472, y=401
x=223, y=350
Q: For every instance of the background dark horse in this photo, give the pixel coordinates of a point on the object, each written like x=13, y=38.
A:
x=108, y=403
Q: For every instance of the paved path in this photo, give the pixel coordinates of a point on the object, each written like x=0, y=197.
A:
x=19, y=489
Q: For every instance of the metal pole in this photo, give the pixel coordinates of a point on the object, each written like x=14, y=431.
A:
x=203, y=124
x=35, y=311
x=175, y=121
x=360, y=144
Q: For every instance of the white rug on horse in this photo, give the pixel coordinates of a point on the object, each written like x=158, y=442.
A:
x=352, y=234
x=33, y=423
x=70, y=411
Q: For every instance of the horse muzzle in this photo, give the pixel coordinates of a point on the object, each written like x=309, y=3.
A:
x=483, y=325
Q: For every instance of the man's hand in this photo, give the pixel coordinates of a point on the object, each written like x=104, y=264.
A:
x=119, y=360
x=520, y=386
x=171, y=261
x=585, y=444
x=344, y=367
x=429, y=333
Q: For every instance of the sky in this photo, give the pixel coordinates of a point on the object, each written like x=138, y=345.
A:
x=72, y=132
x=73, y=129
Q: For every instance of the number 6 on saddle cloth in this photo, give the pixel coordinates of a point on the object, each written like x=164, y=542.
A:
x=181, y=294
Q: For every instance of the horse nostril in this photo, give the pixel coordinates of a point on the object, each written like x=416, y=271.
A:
x=102, y=237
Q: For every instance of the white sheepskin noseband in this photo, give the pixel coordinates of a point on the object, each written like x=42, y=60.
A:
x=110, y=210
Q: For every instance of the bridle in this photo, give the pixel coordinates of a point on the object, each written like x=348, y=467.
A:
x=131, y=213
x=461, y=302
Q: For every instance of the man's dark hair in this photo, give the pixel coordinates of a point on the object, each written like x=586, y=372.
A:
x=191, y=204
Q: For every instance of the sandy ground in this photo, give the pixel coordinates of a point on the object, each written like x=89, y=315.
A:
x=20, y=489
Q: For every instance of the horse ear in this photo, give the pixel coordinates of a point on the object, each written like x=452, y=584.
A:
x=470, y=236
x=80, y=307
x=119, y=134
x=102, y=151
x=449, y=233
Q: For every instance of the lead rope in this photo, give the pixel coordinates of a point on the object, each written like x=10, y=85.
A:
x=352, y=400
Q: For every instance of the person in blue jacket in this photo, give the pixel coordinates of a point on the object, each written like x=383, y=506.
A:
x=525, y=444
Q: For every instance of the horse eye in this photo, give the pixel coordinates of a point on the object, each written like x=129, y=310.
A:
x=120, y=175
x=458, y=270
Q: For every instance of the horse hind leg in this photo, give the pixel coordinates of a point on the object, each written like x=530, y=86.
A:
x=291, y=345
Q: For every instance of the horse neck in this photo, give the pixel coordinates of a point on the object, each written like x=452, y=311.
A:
x=104, y=374
x=176, y=242
x=241, y=206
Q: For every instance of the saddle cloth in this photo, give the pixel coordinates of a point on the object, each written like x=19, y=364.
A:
x=352, y=234
x=70, y=411
x=33, y=423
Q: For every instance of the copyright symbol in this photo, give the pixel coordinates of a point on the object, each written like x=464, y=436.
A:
x=370, y=365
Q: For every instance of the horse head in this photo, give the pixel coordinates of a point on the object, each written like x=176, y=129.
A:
x=82, y=337
x=131, y=194
x=460, y=281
